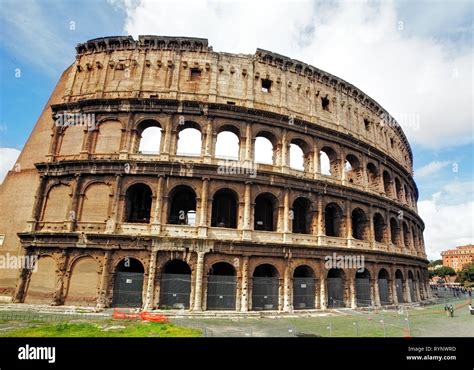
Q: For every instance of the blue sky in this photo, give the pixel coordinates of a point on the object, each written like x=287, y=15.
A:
x=415, y=58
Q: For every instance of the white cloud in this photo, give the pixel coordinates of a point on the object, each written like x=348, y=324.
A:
x=431, y=168
x=426, y=84
x=8, y=157
x=448, y=217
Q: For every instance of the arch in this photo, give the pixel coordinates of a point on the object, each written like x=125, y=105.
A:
x=362, y=280
x=128, y=285
x=175, y=287
x=109, y=136
x=329, y=162
x=372, y=176
x=264, y=149
x=265, y=214
x=83, y=282
x=189, y=142
x=394, y=231
x=387, y=184
x=300, y=157
x=228, y=143
x=398, y=189
x=224, y=209
x=138, y=199
x=399, y=280
x=265, y=287
x=301, y=212
x=407, y=194
x=57, y=203
x=149, y=133
x=352, y=169
x=360, y=229
x=412, y=286
x=72, y=138
x=336, y=287
x=42, y=283
x=406, y=235
x=221, y=287
x=96, y=203
x=182, y=206
x=303, y=287
x=379, y=228
x=384, y=289
x=333, y=220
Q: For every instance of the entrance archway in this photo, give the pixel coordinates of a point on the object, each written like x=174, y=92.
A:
x=303, y=288
x=128, y=285
x=265, y=288
x=221, y=286
x=175, y=289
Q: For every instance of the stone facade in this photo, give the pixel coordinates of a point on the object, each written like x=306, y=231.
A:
x=101, y=214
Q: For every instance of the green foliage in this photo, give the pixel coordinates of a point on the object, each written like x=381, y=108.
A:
x=444, y=271
x=434, y=263
x=466, y=275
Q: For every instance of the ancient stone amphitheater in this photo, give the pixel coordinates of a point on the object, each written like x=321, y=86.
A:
x=122, y=210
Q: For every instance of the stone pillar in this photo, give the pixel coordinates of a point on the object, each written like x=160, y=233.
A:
x=74, y=208
x=352, y=291
x=375, y=292
x=394, y=291
x=371, y=226
x=406, y=293
x=349, y=223
x=316, y=160
x=321, y=231
x=204, y=208
x=286, y=211
x=58, y=295
x=207, y=147
x=150, y=287
x=112, y=220
x=287, y=301
x=198, y=284
x=322, y=293
x=156, y=224
x=284, y=151
x=104, y=277
x=244, y=300
x=22, y=285
x=246, y=232
x=38, y=204
x=248, y=142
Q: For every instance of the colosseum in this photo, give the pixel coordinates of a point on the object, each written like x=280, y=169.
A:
x=122, y=211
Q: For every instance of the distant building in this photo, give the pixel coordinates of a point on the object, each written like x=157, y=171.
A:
x=457, y=258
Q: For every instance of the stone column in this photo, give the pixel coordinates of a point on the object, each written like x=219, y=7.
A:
x=247, y=227
x=156, y=223
x=204, y=208
x=349, y=223
x=150, y=288
x=322, y=293
x=244, y=300
x=198, y=285
x=111, y=223
x=394, y=291
x=375, y=292
x=74, y=208
x=284, y=151
x=406, y=292
x=287, y=301
x=352, y=291
x=104, y=277
x=207, y=148
x=58, y=295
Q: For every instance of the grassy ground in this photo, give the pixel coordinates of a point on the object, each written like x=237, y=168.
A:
x=106, y=328
x=415, y=322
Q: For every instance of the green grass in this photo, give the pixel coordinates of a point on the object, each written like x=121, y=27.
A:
x=96, y=329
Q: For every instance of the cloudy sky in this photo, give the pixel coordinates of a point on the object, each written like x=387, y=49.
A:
x=413, y=57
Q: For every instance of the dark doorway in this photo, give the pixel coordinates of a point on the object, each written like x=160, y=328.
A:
x=221, y=287
x=335, y=283
x=303, y=288
x=138, y=203
x=224, y=209
x=175, y=289
x=128, y=285
x=265, y=212
x=265, y=288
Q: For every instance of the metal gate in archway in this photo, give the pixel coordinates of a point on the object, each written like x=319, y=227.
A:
x=412, y=290
x=335, y=292
x=383, y=292
x=128, y=289
x=399, y=284
x=175, y=290
x=221, y=292
x=303, y=292
x=265, y=293
x=363, y=292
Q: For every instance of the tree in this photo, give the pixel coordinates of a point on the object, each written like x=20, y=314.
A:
x=444, y=271
x=434, y=263
x=467, y=273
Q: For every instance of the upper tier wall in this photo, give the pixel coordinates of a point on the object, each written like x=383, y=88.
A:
x=188, y=69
